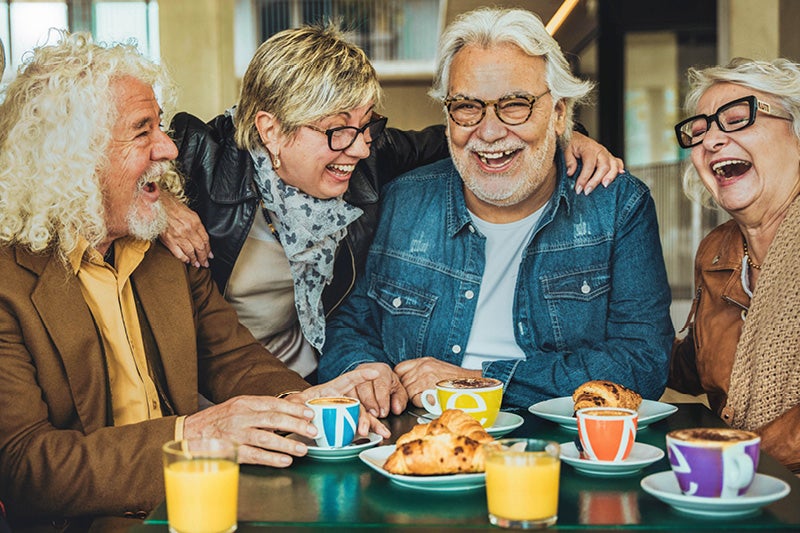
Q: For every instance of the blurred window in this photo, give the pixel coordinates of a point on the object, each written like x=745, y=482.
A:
x=25, y=24
x=399, y=36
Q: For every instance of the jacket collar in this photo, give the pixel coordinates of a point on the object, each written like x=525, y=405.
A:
x=234, y=170
x=58, y=299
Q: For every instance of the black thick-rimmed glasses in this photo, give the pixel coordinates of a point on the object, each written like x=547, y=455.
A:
x=734, y=116
x=512, y=110
x=341, y=138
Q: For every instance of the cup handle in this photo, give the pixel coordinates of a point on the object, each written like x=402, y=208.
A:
x=742, y=470
x=432, y=408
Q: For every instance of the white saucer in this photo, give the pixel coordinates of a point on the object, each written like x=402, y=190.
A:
x=560, y=410
x=376, y=457
x=504, y=424
x=337, y=454
x=641, y=456
x=764, y=490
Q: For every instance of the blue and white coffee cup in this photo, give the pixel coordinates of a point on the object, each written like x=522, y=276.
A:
x=336, y=420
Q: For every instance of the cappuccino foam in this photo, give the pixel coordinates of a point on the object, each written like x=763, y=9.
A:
x=712, y=435
x=332, y=401
x=469, y=383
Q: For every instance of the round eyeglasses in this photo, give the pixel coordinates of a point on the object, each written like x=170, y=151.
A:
x=341, y=138
x=512, y=110
x=734, y=116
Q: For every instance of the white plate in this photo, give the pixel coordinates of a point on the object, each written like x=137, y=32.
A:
x=559, y=410
x=641, y=456
x=337, y=454
x=764, y=490
x=504, y=424
x=376, y=457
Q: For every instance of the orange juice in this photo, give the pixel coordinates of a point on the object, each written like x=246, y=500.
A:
x=522, y=486
x=202, y=495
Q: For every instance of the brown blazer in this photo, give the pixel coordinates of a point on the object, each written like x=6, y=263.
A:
x=58, y=455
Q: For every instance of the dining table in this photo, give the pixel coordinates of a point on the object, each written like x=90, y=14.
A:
x=348, y=495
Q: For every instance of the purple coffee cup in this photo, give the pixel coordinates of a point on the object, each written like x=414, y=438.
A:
x=713, y=462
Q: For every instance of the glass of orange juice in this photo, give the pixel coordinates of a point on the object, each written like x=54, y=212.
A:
x=201, y=477
x=522, y=482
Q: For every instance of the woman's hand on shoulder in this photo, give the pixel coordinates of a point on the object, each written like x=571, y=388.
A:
x=185, y=236
x=600, y=167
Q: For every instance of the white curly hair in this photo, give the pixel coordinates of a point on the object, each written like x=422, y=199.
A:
x=55, y=128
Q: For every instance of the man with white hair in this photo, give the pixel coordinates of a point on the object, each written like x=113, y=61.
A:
x=106, y=338
x=498, y=267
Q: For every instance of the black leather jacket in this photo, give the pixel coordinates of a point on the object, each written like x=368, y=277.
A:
x=220, y=187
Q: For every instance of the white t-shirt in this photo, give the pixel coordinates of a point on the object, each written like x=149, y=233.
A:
x=492, y=335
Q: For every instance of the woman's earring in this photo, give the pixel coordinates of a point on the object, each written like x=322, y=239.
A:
x=276, y=162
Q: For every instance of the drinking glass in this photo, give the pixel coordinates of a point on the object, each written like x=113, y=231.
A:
x=522, y=482
x=201, y=477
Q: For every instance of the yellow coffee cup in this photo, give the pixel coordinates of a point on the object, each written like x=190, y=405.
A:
x=478, y=397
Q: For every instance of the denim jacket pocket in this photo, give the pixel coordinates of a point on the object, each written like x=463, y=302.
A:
x=576, y=299
x=406, y=309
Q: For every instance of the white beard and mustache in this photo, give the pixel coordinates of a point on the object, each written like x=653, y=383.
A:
x=148, y=225
x=508, y=188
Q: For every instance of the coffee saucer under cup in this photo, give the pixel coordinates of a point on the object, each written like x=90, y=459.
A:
x=764, y=491
x=350, y=451
x=504, y=424
x=641, y=456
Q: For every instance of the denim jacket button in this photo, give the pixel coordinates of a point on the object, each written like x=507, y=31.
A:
x=456, y=348
x=469, y=295
x=471, y=228
x=397, y=302
x=585, y=289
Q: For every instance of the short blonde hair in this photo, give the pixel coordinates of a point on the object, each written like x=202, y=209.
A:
x=303, y=75
x=55, y=128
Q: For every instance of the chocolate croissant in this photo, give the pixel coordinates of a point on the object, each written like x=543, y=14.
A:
x=437, y=454
x=601, y=393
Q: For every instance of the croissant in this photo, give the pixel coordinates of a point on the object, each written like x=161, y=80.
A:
x=453, y=421
x=450, y=444
x=601, y=393
x=437, y=454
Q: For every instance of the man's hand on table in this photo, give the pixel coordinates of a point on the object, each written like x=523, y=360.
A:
x=259, y=423
x=419, y=375
x=384, y=394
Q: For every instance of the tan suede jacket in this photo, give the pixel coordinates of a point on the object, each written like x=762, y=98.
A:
x=702, y=361
x=59, y=455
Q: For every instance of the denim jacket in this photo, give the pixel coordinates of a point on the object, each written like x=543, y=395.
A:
x=591, y=302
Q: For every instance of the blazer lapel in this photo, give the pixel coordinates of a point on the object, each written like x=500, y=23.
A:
x=160, y=283
x=57, y=298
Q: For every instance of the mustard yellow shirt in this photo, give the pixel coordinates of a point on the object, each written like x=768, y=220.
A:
x=108, y=293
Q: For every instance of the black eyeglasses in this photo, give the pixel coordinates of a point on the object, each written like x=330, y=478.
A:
x=343, y=137
x=511, y=110
x=733, y=116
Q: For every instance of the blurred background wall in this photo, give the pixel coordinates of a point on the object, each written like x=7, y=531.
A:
x=636, y=50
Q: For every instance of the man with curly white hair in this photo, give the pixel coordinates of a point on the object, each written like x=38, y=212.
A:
x=105, y=338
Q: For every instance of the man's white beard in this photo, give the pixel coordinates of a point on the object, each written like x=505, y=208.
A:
x=149, y=227
x=504, y=190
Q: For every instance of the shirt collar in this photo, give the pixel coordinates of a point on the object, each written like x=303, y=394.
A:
x=125, y=246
